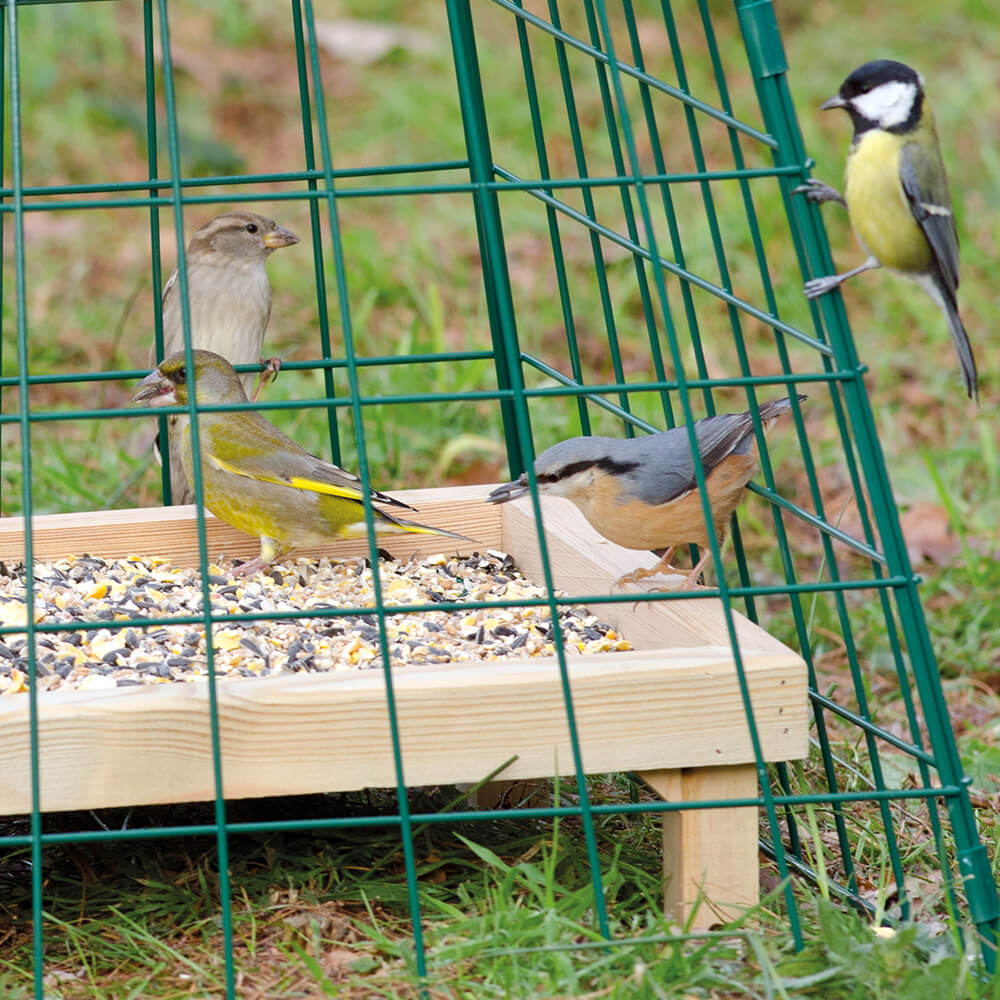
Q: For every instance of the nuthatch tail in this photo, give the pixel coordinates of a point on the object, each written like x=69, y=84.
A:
x=642, y=492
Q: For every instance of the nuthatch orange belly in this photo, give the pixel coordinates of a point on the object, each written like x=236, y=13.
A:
x=641, y=493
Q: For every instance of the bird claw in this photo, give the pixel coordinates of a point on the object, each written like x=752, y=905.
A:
x=820, y=286
x=818, y=192
x=249, y=567
x=271, y=368
x=640, y=574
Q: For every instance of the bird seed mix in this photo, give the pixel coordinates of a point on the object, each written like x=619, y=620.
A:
x=90, y=591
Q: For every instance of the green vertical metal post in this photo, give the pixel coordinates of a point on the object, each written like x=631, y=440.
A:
x=405, y=824
x=496, y=279
x=555, y=240
x=763, y=41
x=17, y=182
x=221, y=833
x=3, y=153
x=590, y=210
x=802, y=630
x=517, y=426
x=643, y=202
x=309, y=152
x=152, y=155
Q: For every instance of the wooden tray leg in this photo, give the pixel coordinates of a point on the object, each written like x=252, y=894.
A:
x=708, y=852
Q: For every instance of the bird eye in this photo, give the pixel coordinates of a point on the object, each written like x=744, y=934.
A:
x=181, y=375
x=251, y=227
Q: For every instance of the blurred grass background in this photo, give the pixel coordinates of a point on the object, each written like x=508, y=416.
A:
x=413, y=273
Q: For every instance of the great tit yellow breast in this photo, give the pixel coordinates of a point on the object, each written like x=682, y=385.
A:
x=880, y=214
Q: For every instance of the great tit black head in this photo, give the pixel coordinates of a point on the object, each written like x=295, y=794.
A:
x=883, y=94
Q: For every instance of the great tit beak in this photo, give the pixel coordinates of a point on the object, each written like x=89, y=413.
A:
x=835, y=102
x=279, y=237
x=158, y=390
x=509, y=491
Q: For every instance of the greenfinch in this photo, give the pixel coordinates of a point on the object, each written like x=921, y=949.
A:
x=229, y=305
x=258, y=479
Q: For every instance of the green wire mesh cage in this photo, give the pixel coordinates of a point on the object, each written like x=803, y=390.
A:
x=610, y=192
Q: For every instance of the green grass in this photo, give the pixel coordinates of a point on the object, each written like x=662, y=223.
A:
x=326, y=915
x=508, y=913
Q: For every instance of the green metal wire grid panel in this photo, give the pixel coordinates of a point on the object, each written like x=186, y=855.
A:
x=677, y=243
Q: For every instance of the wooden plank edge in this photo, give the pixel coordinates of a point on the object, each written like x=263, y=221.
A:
x=171, y=532
x=288, y=735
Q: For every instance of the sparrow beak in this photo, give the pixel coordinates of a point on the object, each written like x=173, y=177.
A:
x=835, y=102
x=155, y=389
x=280, y=237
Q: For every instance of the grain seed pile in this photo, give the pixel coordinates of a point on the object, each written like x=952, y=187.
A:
x=92, y=590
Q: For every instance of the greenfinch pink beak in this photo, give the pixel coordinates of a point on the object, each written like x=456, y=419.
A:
x=155, y=390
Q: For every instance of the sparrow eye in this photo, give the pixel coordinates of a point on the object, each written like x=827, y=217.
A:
x=251, y=227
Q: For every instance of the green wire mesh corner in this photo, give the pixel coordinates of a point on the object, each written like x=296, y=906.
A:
x=647, y=239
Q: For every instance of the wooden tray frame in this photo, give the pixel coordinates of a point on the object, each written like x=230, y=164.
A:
x=670, y=710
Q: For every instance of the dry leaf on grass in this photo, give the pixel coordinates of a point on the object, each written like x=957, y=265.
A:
x=928, y=534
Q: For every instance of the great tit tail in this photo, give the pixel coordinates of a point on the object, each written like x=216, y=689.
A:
x=945, y=300
x=964, y=348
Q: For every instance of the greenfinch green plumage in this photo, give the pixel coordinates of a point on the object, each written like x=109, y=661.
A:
x=258, y=479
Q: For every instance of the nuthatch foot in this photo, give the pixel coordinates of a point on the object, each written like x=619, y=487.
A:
x=642, y=492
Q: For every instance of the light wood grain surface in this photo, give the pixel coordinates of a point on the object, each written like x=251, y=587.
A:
x=673, y=703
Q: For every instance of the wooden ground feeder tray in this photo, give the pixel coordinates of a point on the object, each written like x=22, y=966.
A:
x=669, y=709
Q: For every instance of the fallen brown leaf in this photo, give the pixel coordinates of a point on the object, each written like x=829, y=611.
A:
x=928, y=535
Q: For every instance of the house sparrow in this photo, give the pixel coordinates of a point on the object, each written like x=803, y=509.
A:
x=257, y=479
x=229, y=304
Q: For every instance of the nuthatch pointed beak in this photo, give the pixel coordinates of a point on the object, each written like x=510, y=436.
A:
x=279, y=237
x=509, y=491
x=155, y=390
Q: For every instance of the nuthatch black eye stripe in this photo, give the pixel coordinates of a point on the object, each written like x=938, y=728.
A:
x=608, y=465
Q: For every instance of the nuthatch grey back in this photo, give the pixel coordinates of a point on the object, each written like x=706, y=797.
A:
x=642, y=492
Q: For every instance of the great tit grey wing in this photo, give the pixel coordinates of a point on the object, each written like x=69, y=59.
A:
x=925, y=184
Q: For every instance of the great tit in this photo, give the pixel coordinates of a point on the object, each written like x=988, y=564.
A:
x=896, y=192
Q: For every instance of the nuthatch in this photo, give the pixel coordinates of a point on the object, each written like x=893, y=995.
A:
x=642, y=492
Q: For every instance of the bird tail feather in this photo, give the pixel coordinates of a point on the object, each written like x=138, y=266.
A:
x=965, y=357
x=774, y=408
x=945, y=301
x=386, y=523
x=399, y=526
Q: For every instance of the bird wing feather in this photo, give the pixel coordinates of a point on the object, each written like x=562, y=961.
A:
x=250, y=446
x=668, y=472
x=168, y=290
x=925, y=185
